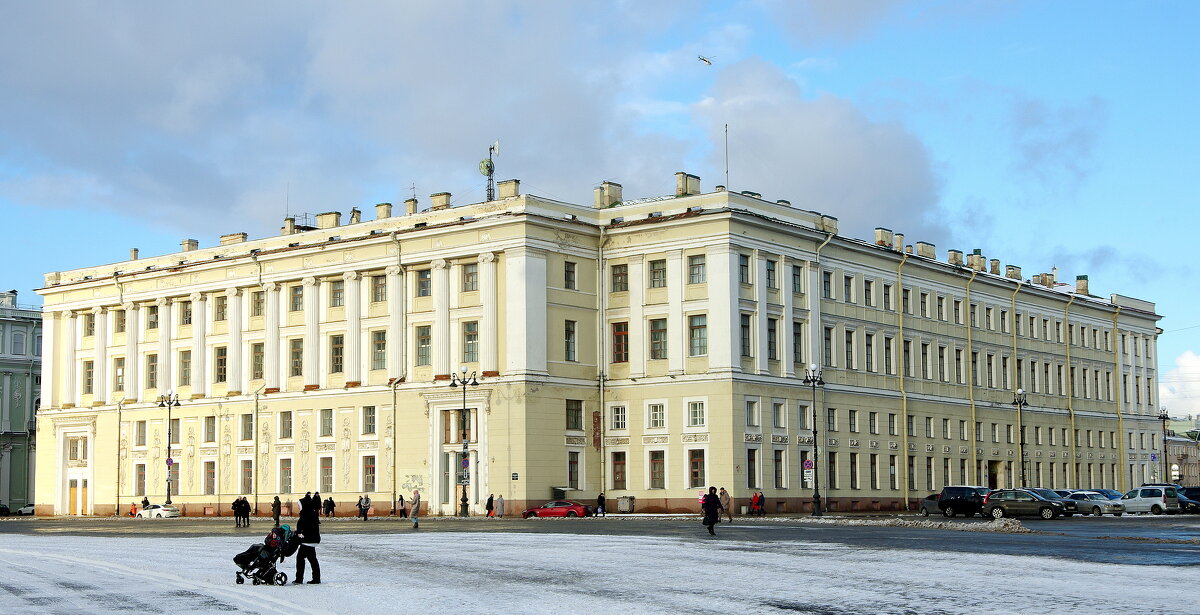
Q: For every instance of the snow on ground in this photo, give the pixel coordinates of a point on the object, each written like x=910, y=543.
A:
x=492, y=572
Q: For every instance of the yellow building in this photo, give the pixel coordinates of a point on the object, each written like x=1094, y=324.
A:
x=646, y=348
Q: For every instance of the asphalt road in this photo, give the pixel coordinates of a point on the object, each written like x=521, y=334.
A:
x=1139, y=540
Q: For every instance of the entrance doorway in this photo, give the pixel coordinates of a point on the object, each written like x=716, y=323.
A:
x=993, y=474
x=77, y=494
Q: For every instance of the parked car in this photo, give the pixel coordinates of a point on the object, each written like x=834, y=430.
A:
x=1015, y=502
x=1069, y=505
x=1111, y=494
x=1096, y=504
x=964, y=499
x=1156, y=500
x=1192, y=493
x=158, y=511
x=4, y=512
x=25, y=510
x=1187, y=504
x=558, y=508
x=929, y=504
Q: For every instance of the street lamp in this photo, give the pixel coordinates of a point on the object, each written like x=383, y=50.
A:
x=1020, y=401
x=1164, y=417
x=812, y=378
x=168, y=401
x=464, y=476
x=395, y=382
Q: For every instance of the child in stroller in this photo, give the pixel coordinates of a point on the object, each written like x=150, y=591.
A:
x=258, y=562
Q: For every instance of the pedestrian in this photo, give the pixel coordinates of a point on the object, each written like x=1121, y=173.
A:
x=726, y=503
x=490, y=507
x=712, y=510
x=236, y=507
x=308, y=531
x=416, y=507
x=145, y=503
x=364, y=505
x=329, y=506
x=500, y=506
x=132, y=509
x=400, y=506
x=600, y=510
x=315, y=502
x=276, y=509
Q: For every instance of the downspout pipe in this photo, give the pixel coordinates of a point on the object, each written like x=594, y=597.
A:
x=814, y=352
x=903, y=374
x=117, y=509
x=601, y=373
x=1074, y=468
x=1117, y=358
x=971, y=383
x=1015, y=377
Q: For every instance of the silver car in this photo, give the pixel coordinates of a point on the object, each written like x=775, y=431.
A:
x=1095, y=504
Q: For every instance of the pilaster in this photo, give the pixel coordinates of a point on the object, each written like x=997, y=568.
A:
x=441, y=318
x=488, y=329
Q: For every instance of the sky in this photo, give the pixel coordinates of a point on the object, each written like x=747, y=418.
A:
x=1046, y=134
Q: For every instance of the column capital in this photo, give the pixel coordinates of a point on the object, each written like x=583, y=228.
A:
x=97, y=310
x=130, y=306
x=394, y=270
x=162, y=301
x=309, y=281
x=232, y=292
x=487, y=257
x=350, y=276
x=271, y=286
x=196, y=297
x=439, y=263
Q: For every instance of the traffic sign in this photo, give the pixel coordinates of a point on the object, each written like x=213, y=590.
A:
x=808, y=464
x=1153, y=456
x=808, y=475
x=170, y=462
x=466, y=462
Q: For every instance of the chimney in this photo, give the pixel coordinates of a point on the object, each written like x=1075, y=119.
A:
x=784, y=202
x=509, y=188
x=1081, y=284
x=133, y=254
x=329, y=219
x=233, y=238
x=686, y=184
x=828, y=224
x=976, y=261
x=383, y=210
x=289, y=226
x=1012, y=272
x=719, y=188
x=883, y=236
x=898, y=242
x=608, y=195
x=188, y=245
x=355, y=215
x=441, y=200
x=995, y=268
x=926, y=250
x=908, y=250
x=954, y=257
x=410, y=207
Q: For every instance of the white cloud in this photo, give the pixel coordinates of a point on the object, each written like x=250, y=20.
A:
x=1179, y=388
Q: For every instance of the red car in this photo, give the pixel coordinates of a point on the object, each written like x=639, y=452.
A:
x=558, y=508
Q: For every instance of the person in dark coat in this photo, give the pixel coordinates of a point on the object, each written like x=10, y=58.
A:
x=711, y=505
x=316, y=502
x=329, y=506
x=401, y=507
x=145, y=502
x=236, y=507
x=490, y=507
x=308, y=532
x=276, y=509
x=600, y=510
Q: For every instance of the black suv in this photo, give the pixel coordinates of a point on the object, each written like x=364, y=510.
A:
x=959, y=499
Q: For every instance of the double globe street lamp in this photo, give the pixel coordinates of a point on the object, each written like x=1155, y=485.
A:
x=464, y=473
x=812, y=378
x=169, y=401
x=1020, y=401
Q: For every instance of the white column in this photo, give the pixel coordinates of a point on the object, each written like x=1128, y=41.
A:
x=100, y=374
x=785, y=324
x=312, y=332
x=759, y=264
x=51, y=359
x=233, y=315
x=525, y=303
x=199, y=346
x=723, y=329
x=396, y=338
x=441, y=318
x=133, y=358
x=488, y=326
x=70, y=362
x=639, y=350
x=677, y=325
x=271, y=352
x=166, y=358
x=353, y=356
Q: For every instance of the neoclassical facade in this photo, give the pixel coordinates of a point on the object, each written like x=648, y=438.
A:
x=646, y=348
x=20, y=385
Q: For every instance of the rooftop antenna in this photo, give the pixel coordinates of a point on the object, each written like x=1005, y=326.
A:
x=487, y=167
x=727, y=187
x=412, y=188
x=287, y=200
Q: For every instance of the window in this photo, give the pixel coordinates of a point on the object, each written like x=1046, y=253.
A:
x=831, y=419
x=869, y=352
x=852, y=420
x=118, y=327
x=139, y=479
x=185, y=368
x=327, y=474
x=869, y=293
x=152, y=317
x=620, y=342
x=696, y=270
x=696, y=416
x=152, y=371
x=618, y=417
x=772, y=339
x=569, y=281
x=771, y=274
x=696, y=468
x=873, y=422
x=210, y=429
x=658, y=274
x=941, y=308
x=854, y=471
x=657, y=469
x=892, y=424
x=849, y=350
x=368, y=420
x=745, y=329
x=925, y=305
x=285, y=425
x=379, y=350
x=247, y=476
x=221, y=363
x=378, y=288
x=779, y=414
x=945, y=429
x=77, y=449
x=296, y=299
x=326, y=422
x=89, y=325
x=910, y=426
x=337, y=293
x=569, y=340
x=797, y=279
x=185, y=313
x=887, y=356
x=210, y=478
x=697, y=335
x=848, y=288
x=906, y=300
x=574, y=414
x=285, y=475
x=620, y=278
x=247, y=426
x=752, y=468
x=257, y=358
x=797, y=342
x=751, y=413
x=928, y=427
x=296, y=350
x=987, y=318
x=656, y=416
x=424, y=345
x=619, y=471
x=471, y=341
x=139, y=433
x=827, y=346
x=827, y=285
x=658, y=338
x=424, y=283
x=258, y=303
x=119, y=374
x=744, y=269
x=220, y=309
x=470, y=277
x=573, y=470
x=887, y=297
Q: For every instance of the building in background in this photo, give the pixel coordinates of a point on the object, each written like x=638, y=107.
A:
x=646, y=348
x=20, y=385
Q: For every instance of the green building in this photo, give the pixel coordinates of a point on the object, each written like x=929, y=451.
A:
x=20, y=386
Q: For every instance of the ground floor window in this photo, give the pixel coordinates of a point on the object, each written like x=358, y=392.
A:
x=247, y=476
x=573, y=469
x=326, y=474
x=658, y=470
x=618, y=471
x=696, y=468
x=368, y=473
x=210, y=477
x=139, y=479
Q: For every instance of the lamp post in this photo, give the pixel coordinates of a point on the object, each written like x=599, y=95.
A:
x=169, y=401
x=1164, y=417
x=464, y=476
x=1020, y=401
x=812, y=378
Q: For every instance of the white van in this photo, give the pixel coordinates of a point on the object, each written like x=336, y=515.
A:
x=1157, y=500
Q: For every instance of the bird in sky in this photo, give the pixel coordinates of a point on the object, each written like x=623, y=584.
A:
x=707, y=61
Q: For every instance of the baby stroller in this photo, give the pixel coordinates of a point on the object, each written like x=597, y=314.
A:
x=258, y=562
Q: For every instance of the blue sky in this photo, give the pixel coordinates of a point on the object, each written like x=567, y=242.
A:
x=1044, y=133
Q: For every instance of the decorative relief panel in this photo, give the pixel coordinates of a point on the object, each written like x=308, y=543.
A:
x=703, y=437
x=852, y=442
x=832, y=442
x=1038, y=454
x=912, y=446
x=245, y=450
x=873, y=443
x=576, y=440
x=895, y=446
x=1052, y=454
x=928, y=448
x=616, y=441
x=1010, y=452
x=753, y=437
x=804, y=439
x=775, y=439
x=368, y=446
x=946, y=449
x=648, y=439
x=285, y=448
x=325, y=446
x=962, y=450
x=995, y=452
